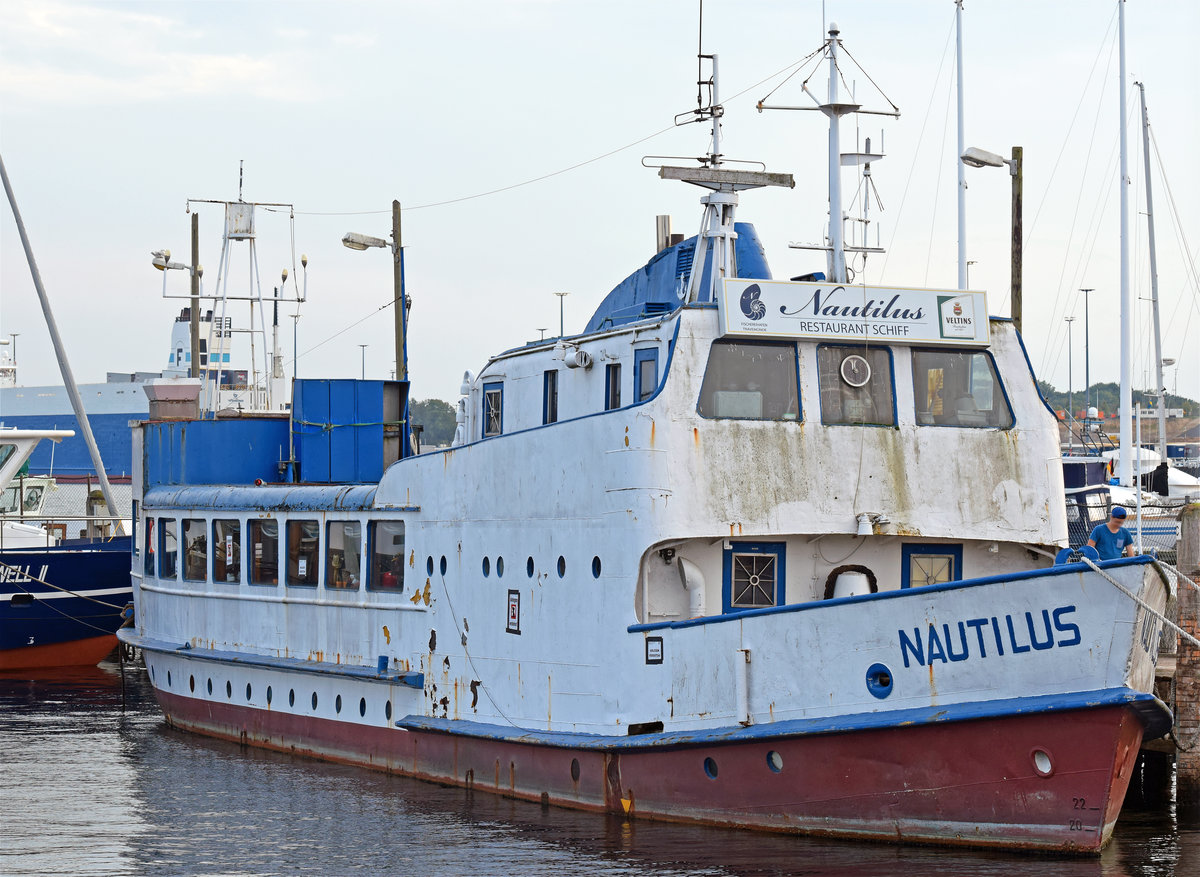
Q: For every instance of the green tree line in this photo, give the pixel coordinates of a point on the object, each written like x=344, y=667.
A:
x=1107, y=398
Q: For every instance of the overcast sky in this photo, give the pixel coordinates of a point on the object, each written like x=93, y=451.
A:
x=112, y=115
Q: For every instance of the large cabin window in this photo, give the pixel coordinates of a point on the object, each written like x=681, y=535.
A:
x=386, y=539
x=751, y=381
x=227, y=551
x=168, y=549
x=959, y=388
x=343, y=555
x=264, y=548
x=195, y=550
x=645, y=374
x=753, y=575
x=550, y=396
x=612, y=386
x=856, y=385
x=303, y=552
x=493, y=409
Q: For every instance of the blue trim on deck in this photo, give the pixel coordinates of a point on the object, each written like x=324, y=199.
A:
x=294, y=665
x=1066, y=569
x=1152, y=712
x=279, y=498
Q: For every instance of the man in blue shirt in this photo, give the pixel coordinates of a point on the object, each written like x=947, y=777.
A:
x=1112, y=540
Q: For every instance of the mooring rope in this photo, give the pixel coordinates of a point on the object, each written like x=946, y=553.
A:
x=1135, y=598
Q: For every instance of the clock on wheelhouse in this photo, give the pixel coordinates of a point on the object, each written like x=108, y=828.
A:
x=855, y=370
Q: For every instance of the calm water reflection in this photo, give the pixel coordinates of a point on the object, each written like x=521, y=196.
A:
x=91, y=790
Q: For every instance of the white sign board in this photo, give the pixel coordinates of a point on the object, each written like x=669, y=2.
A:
x=883, y=314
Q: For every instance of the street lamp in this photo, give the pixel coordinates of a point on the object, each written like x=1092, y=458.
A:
x=355, y=241
x=561, y=297
x=161, y=259
x=364, y=361
x=974, y=157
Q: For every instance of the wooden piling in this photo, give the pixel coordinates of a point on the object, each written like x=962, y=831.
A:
x=1187, y=676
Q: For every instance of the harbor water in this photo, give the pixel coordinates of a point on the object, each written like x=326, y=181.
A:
x=94, y=782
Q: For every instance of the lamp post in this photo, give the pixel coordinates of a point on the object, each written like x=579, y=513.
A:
x=1070, y=386
x=974, y=157
x=561, y=296
x=355, y=241
x=363, y=347
x=1087, y=374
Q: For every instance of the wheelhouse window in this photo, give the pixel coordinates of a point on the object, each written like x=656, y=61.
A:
x=959, y=388
x=550, y=396
x=493, y=409
x=856, y=385
x=303, y=552
x=753, y=575
x=168, y=549
x=195, y=550
x=386, y=539
x=264, y=548
x=751, y=381
x=645, y=374
x=227, y=551
x=343, y=555
x=612, y=386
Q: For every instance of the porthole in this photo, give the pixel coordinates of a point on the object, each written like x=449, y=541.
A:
x=168, y=677
x=774, y=761
x=429, y=565
x=595, y=567
x=291, y=697
x=442, y=565
x=337, y=704
x=487, y=567
x=210, y=686
x=1042, y=762
x=191, y=683
x=499, y=566
x=362, y=706
x=314, y=701
x=710, y=768
x=574, y=770
x=879, y=680
x=387, y=710
x=228, y=689
x=247, y=692
x=268, y=695
x=529, y=567
x=562, y=566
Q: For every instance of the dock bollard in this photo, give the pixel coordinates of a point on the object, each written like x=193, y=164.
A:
x=1187, y=673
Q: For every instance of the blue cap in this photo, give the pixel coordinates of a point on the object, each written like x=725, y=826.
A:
x=1118, y=512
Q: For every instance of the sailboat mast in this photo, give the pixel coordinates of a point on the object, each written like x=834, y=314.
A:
x=1159, y=389
x=1125, y=470
x=838, y=254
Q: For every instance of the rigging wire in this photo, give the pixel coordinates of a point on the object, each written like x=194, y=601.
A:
x=917, y=153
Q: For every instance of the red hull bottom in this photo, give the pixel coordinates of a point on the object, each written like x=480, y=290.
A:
x=1051, y=782
x=76, y=653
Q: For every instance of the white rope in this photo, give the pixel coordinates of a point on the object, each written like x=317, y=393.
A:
x=1135, y=598
x=1180, y=573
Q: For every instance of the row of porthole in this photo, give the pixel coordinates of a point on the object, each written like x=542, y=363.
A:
x=499, y=566
x=774, y=763
x=337, y=703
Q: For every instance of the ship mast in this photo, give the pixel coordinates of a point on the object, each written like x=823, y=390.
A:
x=1159, y=389
x=717, y=238
x=1125, y=468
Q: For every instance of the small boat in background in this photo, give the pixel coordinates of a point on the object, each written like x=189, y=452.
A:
x=62, y=598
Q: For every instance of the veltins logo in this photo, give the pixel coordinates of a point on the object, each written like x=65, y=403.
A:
x=752, y=306
x=956, y=316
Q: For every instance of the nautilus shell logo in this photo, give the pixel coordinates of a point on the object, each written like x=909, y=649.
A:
x=752, y=306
